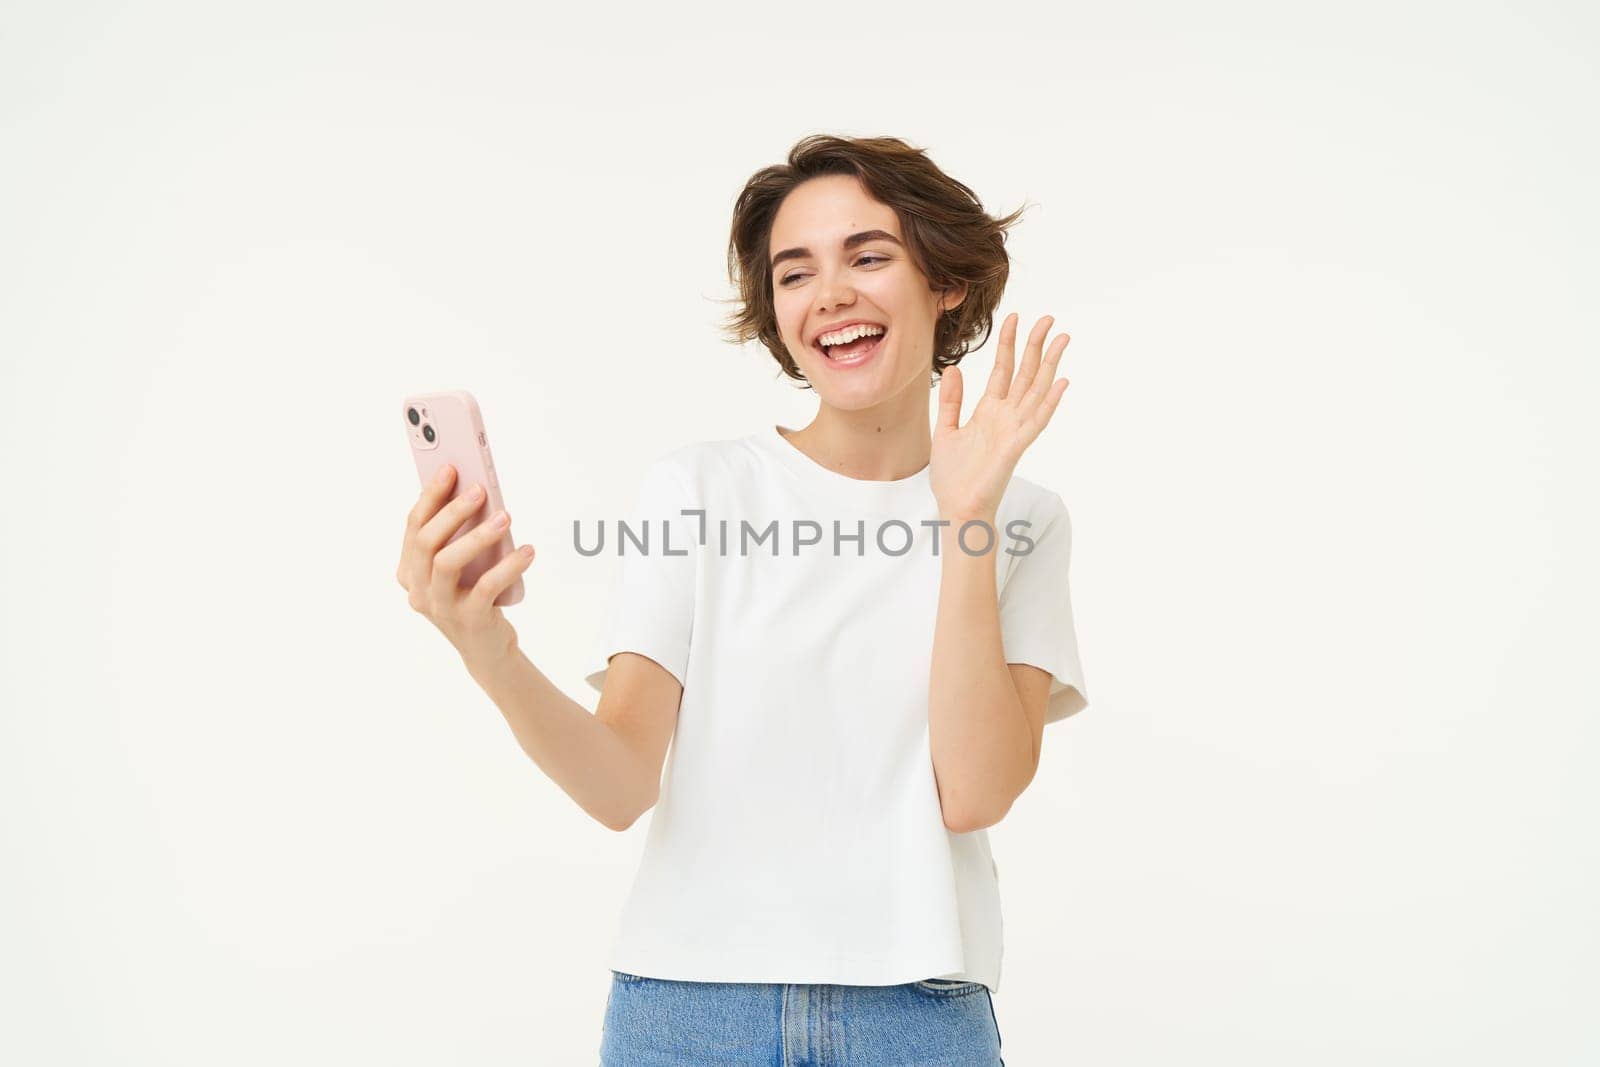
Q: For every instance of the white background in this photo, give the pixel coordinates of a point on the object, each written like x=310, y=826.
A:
x=1330, y=275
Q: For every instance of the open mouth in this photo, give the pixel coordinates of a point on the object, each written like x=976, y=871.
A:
x=854, y=352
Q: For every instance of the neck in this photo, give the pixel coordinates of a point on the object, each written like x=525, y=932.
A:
x=876, y=444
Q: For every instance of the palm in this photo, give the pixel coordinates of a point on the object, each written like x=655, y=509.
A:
x=971, y=465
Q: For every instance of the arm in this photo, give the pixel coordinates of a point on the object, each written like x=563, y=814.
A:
x=985, y=717
x=609, y=761
x=984, y=720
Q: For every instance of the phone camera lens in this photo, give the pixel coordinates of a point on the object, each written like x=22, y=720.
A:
x=411, y=413
x=427, y=432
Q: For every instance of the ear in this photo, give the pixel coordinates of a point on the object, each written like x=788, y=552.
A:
x=953, y=297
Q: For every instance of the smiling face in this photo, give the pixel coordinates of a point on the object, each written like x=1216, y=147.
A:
x=838, y=257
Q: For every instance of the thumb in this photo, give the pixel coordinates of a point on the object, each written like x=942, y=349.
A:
x=949, y=399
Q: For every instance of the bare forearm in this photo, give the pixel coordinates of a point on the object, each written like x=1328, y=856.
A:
x=978, y=732
x=577, y=751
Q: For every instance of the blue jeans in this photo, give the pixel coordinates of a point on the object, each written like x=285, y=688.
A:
x=660, y=1022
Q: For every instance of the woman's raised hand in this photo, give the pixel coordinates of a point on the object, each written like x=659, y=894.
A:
x=972, y=464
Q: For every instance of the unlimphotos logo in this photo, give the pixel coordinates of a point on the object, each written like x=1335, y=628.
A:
x=893, y=537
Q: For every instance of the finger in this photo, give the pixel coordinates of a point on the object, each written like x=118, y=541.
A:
x=1047, y=373
x=1000, y=377
x=413, y=569
x=441, y=529
x=434, y=494
x=497, y=579
x=1030, y=358
x=949, y=399
x=443, y=526
x=454, y=557
x=1041, y=415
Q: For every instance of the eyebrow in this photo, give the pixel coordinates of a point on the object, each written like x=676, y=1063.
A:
x=848, y=243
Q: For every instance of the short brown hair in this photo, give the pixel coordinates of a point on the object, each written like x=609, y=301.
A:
x=947, y=235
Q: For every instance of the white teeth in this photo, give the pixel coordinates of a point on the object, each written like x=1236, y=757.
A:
x=848, y=334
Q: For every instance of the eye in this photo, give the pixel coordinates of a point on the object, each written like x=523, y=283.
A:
x=864, y=259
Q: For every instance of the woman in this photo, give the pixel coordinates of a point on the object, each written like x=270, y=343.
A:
x=851, y=635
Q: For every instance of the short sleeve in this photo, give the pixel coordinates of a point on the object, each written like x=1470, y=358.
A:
x=650, y=606
x=1036, y=610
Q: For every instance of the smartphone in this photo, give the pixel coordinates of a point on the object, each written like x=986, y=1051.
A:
x=447, y=427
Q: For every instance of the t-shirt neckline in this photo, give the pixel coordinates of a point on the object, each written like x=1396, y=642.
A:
x=911, y=493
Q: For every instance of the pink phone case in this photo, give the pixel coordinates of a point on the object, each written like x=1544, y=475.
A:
x=447, y=427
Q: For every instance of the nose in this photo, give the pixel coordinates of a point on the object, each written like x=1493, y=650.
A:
x=833, y=290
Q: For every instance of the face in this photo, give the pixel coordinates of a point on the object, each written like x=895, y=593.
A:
x=831, y=281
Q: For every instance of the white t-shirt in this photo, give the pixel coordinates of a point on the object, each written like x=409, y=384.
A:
x=798, y=835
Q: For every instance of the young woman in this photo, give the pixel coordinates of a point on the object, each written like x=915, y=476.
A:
x=851, y=635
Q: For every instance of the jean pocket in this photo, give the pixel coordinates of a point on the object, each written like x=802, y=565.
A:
x=947, y=987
